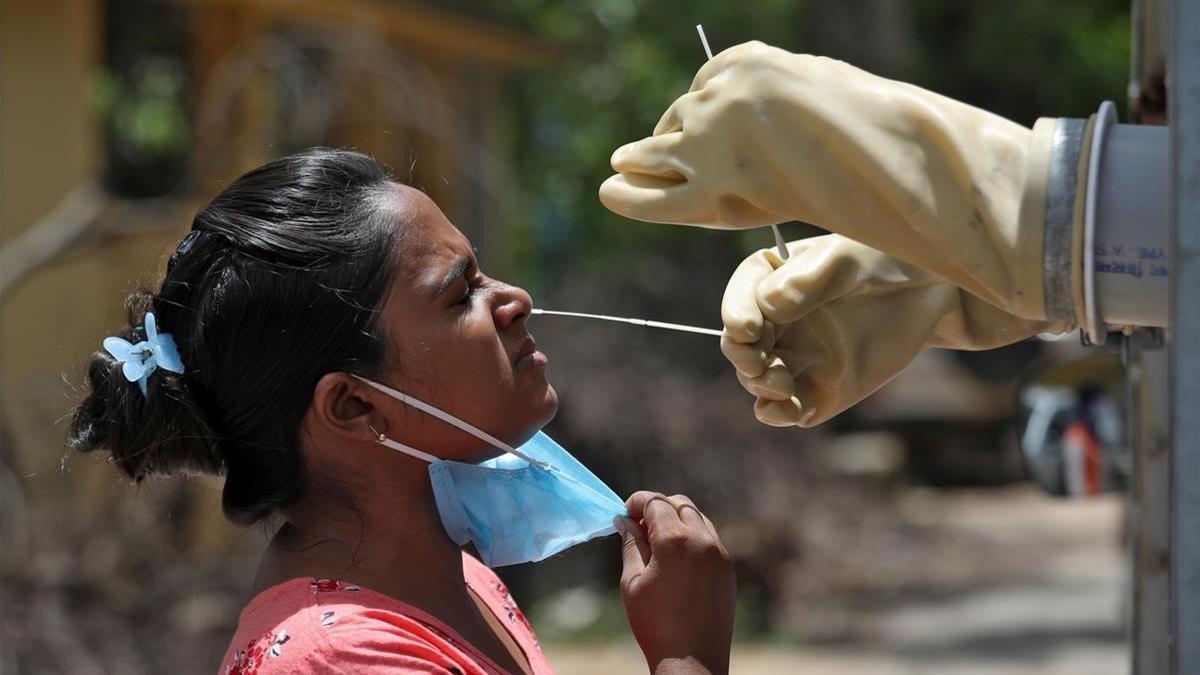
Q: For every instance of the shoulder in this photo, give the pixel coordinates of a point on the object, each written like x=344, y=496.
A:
x=326, y=626
x=384, y=641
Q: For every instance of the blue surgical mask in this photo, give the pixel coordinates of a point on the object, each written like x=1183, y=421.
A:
x=523, y=506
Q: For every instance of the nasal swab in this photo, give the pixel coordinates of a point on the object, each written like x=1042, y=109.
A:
x=704, y=41
x=637, y=322
x=780, y=244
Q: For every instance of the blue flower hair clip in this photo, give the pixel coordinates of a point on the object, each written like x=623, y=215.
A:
x=138, y=361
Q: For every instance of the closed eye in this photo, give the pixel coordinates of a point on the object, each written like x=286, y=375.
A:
x=474, y=279
x=464, y=268
x=466, y=296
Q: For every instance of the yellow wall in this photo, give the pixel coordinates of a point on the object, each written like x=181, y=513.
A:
x=49, y=143
x=56, y=317
x=47, y=49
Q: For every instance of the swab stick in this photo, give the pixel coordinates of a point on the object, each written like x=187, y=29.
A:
x=780, y=245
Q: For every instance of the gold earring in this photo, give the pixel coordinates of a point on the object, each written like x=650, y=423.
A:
x=381, y=438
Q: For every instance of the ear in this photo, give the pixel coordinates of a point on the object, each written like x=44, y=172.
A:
x=343, y=407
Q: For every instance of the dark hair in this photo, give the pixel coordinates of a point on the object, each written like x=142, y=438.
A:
x=278, y=283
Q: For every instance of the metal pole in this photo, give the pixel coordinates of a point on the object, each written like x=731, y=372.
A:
x=1147, y=365
x=1183, y=342
x=1149, y=505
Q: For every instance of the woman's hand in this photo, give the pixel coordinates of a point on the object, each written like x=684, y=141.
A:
x=678, y=585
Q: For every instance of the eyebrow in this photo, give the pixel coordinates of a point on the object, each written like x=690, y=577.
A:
x=460, y=266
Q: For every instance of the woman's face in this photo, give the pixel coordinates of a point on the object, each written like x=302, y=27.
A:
x=458, y=341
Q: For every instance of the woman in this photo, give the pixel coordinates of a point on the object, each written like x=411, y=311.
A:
x=309, y=295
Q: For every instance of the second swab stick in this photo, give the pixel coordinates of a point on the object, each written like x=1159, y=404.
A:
x=780, y=244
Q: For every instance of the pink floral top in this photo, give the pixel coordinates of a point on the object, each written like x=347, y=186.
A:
x=328, y=626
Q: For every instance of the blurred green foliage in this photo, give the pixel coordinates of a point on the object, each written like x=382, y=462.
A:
x=643, y=410
x=143, y=112
x=1025, y=59
x=622, y=62
x=147, y=115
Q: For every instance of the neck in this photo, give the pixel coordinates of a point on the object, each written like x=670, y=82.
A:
x=389, y=539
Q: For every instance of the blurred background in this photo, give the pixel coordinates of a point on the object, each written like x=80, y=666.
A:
x=905, y=536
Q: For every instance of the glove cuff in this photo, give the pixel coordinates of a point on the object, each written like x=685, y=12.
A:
x=1048, y=242
x=1093, y=214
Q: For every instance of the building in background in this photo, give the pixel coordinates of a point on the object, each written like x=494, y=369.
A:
x=121, y=118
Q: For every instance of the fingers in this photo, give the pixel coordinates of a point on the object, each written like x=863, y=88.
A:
x=666, y=518
x=751, y=359
x=654, y=199
x=689, y=514
x=809, y=406
x=748, y=360
x=635, y=549
x=640, y=502
x=827, y=268
x=644, y=505
x=775, y=384
x=672, y=120
x=780, y=413
x=739, y=306
x=653, y=156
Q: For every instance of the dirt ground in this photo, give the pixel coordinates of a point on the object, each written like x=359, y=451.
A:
x=1054, y=603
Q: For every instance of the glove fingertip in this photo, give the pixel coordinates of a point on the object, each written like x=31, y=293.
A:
x=743, y=329
x=775, y=384
x=651, y=198
x=779, y=413
x=748, y=360
x=631, y=157
x=811, y=414
x=620, y=196
x=741, y=316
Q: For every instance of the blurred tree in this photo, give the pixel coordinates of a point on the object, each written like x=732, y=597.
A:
x=644, y=410
x=623, y=62
x=142, y=96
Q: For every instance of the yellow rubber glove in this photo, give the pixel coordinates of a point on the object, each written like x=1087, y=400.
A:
x=816, y=334
x=765, y=136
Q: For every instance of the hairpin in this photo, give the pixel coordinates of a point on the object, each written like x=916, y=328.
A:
x=184, y=246
x=139, y=360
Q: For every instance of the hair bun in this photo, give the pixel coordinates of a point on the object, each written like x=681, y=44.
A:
x=162, y=432
x=278, y=283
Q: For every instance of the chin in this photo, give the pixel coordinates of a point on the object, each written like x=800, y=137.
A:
x=544, y=407
x=550, y=401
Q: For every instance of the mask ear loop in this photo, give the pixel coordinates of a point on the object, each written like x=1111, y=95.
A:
x=448, y=419
x=386, y=442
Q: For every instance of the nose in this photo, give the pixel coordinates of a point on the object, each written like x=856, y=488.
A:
x=513, y=306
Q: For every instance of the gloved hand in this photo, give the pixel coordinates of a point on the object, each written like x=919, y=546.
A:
x=816, y=334
x=765, y=136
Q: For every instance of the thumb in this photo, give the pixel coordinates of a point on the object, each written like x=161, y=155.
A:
x=827, y=268
x=653, y=198
x=635, y=549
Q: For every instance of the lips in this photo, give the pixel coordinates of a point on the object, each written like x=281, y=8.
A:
x=529, y=356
